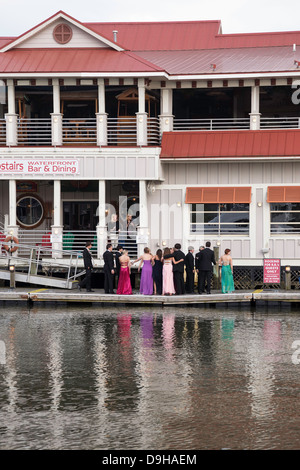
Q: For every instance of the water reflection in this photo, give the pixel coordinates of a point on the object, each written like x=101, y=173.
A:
x=154, y=379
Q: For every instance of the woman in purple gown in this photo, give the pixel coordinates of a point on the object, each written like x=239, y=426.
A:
x=146, y=284
x=124, y=284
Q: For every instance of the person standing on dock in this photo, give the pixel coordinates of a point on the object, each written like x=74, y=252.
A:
x=109, y=270
x=205, y=261
x=190, y=270
x=88, y=265
x=178, y=268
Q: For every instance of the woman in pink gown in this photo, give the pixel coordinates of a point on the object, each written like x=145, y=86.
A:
x=124, y=284
x=168, y=279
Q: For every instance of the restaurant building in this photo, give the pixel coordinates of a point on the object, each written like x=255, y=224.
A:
x=192, y=132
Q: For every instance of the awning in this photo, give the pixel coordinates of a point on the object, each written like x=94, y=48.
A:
x=283, y=194
x=230, y=144
x=198, y=195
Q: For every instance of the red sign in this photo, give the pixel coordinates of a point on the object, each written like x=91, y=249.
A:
x=272, y=271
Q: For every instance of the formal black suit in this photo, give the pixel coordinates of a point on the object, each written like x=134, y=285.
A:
x=189, y=268
x=178, y=271
x=88, y=265
x=108, y=258
x=204, y=263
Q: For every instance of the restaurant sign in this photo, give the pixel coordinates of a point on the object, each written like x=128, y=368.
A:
x=38, y=167
x=272, y=271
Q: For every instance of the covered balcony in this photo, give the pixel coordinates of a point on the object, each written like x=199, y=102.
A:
x=96, y=115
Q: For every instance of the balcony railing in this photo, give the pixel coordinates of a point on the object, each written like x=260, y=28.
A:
x=2, y=132
x=280, y=123
x=121, y=131
x=31, y=131
x=211, y=124
x=79, y=131
x=153, y=129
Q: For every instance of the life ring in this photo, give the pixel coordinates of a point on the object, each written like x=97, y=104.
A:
x=7, y=247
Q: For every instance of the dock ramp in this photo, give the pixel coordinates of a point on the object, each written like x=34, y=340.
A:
x=43, y=266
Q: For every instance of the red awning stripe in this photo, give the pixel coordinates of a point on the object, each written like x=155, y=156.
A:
x=214, y=195
x=283, y=194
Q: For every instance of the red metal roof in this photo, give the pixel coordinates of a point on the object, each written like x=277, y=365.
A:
x=189, y=35
x=247, y=60
x=231, y=144
x=72, y=60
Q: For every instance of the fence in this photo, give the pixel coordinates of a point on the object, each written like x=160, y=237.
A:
x=79, y=131
x=210, y=124
x=32, y=131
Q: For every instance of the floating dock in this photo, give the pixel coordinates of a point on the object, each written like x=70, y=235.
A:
x=35, y=295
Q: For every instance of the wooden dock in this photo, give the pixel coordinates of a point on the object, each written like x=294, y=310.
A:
x=35, y=295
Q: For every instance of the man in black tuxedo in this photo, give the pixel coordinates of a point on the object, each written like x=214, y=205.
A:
x=109, y=271
x=190, y=270
x=118, y=266
x=204, y=263
x=178, y=269
x=88, y=264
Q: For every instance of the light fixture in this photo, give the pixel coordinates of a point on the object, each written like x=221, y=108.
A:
x=287, y=269
x=11, y=232
x=10, y=119
x=140, y=119
x=12, y=268
x=259, y=204
x=218, y=243
x=55, y=231
x=166, y=121
x=55, y=119
x=164, y=243
x=179, y=204
x=254, y=119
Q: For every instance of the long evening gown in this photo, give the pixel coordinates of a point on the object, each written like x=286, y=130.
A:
x=168, y=280
x=227, y=284
x=146, y=285
x=124, y=284
x=157, y=275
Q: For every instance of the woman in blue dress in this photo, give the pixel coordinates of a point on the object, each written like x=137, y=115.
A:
x=227, y=283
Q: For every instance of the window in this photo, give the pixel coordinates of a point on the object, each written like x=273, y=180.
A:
x=62, y=33
x=219, y=219
x=30, y=212
x=285, y=217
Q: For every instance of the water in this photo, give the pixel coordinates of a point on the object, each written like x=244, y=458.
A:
x=130, y=378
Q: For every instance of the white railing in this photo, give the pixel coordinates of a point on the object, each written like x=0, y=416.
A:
x=33, y=238
x=76, y=240
x=210, y=124
x=280, y=123
x=2, y=132
x=153, y=127
x=121, y=131
x=79, y=131
x=33, y=131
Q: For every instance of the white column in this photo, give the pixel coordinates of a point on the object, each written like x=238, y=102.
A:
x=56, y=116
x=101, y=115
x=57, y=228
x=141, y=115
x=11, y=117
x=13, y=228
x=143, y=229
x=166, y=116
x=101, y=227
x=255, y=114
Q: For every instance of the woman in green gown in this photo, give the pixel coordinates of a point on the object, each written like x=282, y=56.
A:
x=227, y=283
